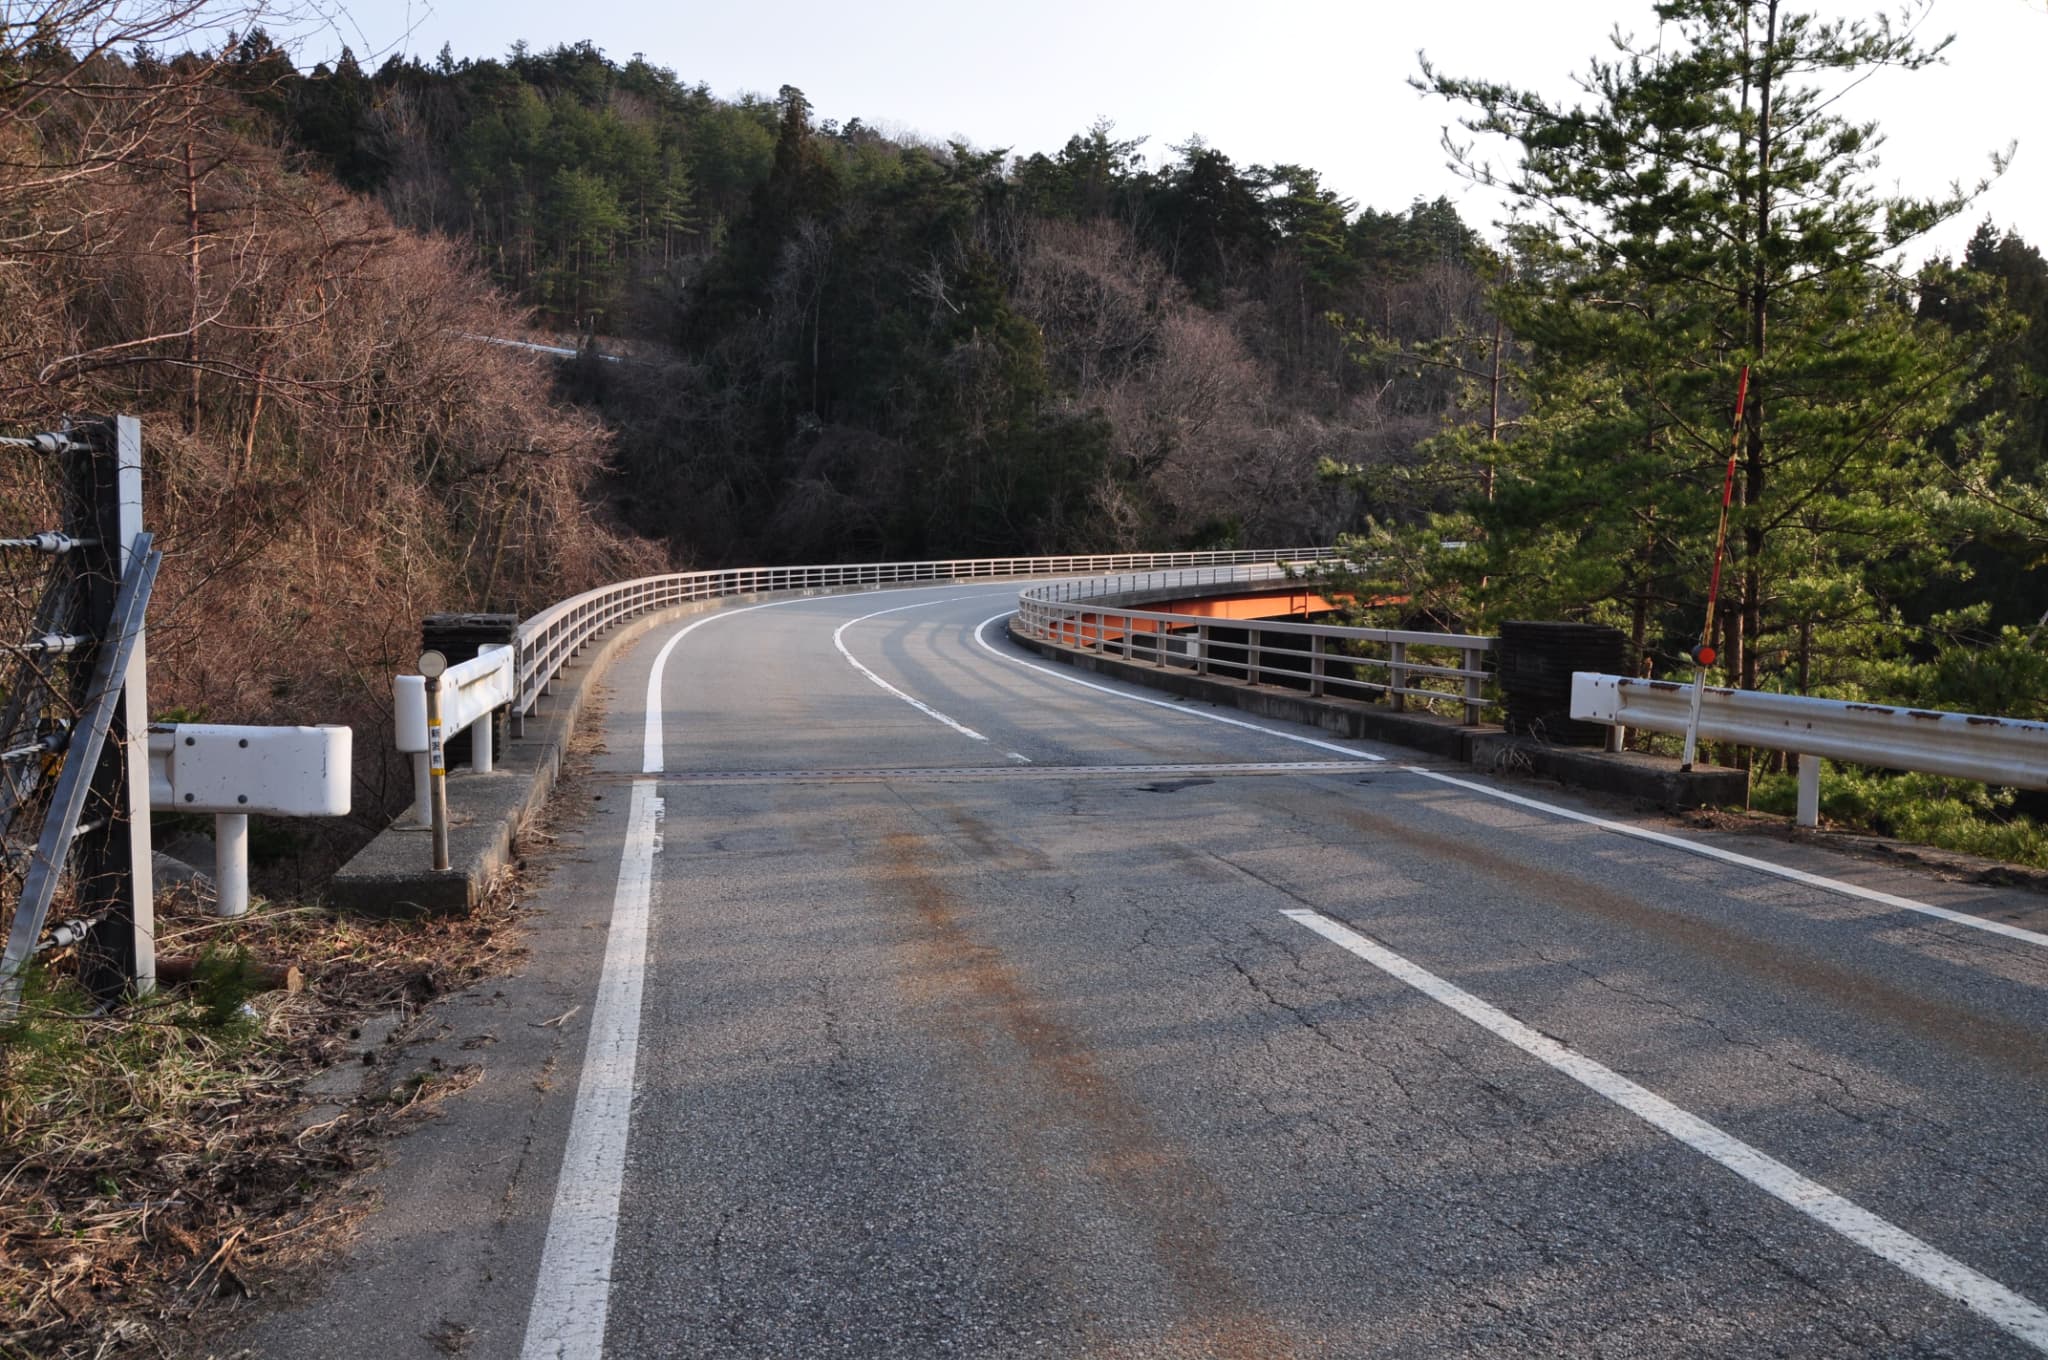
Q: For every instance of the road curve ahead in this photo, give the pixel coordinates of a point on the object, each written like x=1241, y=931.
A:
x=957, y=1004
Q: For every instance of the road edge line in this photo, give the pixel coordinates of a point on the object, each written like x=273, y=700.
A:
x=573, y=1291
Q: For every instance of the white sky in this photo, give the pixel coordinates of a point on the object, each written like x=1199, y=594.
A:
x=1315, y=82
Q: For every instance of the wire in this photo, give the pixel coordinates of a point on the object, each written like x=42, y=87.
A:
x=48, y=542
x=49, y=644
x=51, y=443
x=68, y=932
x=50, y=742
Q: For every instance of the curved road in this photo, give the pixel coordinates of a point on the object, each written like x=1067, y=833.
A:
x=956, y=1003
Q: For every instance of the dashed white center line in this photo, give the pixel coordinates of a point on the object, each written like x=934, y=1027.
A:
x=1941, y=1272
x=980, y=632
x=652, y=754
x=839, y=641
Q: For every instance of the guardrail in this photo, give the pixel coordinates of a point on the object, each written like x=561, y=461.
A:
x=1992, y=750
x=550, y=638
x=517, y=677
x=232, y=772
x=469, y=694
x=1085, y=615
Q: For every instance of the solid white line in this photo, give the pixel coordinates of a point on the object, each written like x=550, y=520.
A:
x=1834, y=885
x=651, y=756
x=1979, y=1293
x=566, y=1319
x=839, y=641
x=1059, y=674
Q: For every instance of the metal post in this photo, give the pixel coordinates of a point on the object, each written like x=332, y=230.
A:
x=517, y=719
x=1397, y=672
x=1809, y=789
x=1317, y=667
x=1251, y=656
x=231, y=863
x=119, y=954
x=1202, y=649
x=481, y=750
x=1692, y=722
x=135, y=718
x=1474, y=706
x=437, y=773
x=422, y=792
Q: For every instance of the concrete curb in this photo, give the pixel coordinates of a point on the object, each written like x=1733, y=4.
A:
x=1655, y=780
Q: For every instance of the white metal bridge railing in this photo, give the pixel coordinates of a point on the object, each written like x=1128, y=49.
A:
x=1350, y=662
x=550, y=638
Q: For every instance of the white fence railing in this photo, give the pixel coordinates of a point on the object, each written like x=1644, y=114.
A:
x=470, y=692
x=516, y=677
x=550, y=638
x=1348, y=662
x=2002, y=751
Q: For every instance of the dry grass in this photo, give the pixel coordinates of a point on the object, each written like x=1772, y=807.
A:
x=158, y=1159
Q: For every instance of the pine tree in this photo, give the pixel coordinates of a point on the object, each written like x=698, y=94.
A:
x=1706, y=210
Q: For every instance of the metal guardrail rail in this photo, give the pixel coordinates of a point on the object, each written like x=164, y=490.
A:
x=1087, y=615
x=2003, y=751
x=550, y=638
x=233, y=772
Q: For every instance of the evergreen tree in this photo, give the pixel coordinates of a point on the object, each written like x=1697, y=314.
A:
x=1705, y=211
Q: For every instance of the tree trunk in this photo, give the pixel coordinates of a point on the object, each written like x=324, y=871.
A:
x=192, y=277
x=1743, y=661
x=248, y=463
x=1493, y=420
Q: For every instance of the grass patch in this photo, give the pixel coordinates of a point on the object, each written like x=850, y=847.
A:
x=1951, y=814
x=154, y=1160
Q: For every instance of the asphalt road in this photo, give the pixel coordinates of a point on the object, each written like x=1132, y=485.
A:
x=937, y=1018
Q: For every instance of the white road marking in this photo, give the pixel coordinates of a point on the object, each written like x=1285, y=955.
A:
x=839, y=641
x=1019, y=757
x=1979, y=1293
x=1059, y=674
x=651, y=756
x=566, y=1319
x=1834, y=885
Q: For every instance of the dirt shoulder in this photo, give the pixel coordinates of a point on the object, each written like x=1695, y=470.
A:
x=164, y=1166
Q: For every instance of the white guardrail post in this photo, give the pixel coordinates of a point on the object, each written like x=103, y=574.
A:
x=2003, y=751
x=232, y=772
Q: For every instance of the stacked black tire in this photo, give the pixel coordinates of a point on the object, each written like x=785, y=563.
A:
x=1536, y=664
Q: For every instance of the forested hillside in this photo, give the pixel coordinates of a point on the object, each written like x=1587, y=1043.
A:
x=328, y=458
x=866, y=346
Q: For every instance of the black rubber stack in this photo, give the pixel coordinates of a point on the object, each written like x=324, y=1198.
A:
x=459, y=637
x=1536, y=665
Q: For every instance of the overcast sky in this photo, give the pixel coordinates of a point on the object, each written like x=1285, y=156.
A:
x=1315, y=82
